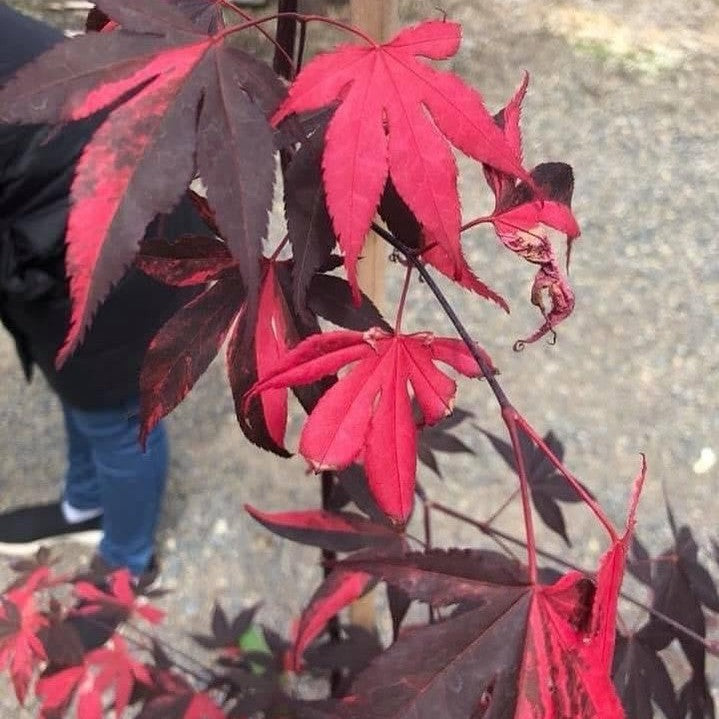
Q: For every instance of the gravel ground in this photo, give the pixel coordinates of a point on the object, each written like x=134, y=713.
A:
x=629, y=97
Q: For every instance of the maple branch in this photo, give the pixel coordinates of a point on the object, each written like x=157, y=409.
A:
x=328, y=558
x=413, y=258
x=504, y=403
x=496, y=535
x=711, y=646
x=279, y=248
x=494, y=516
x=299, y=17
x=286, y=35
x=571, y=479
x=510, y=417
x=246, y=16
x=402, y=300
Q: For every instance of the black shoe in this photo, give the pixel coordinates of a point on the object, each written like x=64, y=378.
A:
x=144, y=583
x=23, y=531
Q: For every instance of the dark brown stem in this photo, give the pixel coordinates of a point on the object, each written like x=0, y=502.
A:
x=413, y=258
x=285, y=35
x=509, y=415
x=427, y=519
x=328, y=560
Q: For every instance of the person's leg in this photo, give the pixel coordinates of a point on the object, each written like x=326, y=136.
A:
x=81, y=498
x=131, y=482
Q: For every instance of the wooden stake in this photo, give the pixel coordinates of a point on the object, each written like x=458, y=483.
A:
x=379, y=19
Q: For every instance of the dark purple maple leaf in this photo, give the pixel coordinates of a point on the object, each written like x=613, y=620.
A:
x=681, y=587
x=515, y=649
x=334, y=531
x=642, y=679
x=226, y=633
x=438, y=438
x=168, y=85
x=547, y=485
x=308, y=222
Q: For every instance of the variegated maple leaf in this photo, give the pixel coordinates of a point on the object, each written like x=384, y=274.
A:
x=369, y=410
x=524, y=212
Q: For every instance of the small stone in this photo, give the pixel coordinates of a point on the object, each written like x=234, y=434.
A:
x=707, y=459
x=220, y=527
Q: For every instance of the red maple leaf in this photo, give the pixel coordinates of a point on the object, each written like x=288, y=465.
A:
x=120, y=597
x=109, y=667
x=20, y=649
x=393, y=117
x=369, y=410
x=113, y=666
x=174, y=698
x=56, y=690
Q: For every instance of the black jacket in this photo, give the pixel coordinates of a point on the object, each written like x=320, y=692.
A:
x=36, y=170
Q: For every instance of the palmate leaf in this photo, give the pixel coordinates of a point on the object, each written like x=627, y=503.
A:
x=154, y=75
x=184, y=347
x=546, y=484
x=21, y=651
x=525, y=651
x=308, y=223
x=334, y=531
x=369, y=409
x=395, y=119
x=642, y=679
x=514, y=648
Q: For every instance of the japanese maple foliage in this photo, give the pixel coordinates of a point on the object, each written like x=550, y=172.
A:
x=361, y=131
x=368, y=411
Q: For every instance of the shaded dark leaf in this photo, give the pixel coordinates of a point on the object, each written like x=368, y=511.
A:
x=142, y=17
x=354, y=481
x=239, y=179
x=399, y=604
x=642, y=680
x=639, y=562
x=331, y=298
x=546, y=484
x=308, y=222
x=399, y=219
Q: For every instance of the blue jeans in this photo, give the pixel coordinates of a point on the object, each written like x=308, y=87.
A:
x=107, y=469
